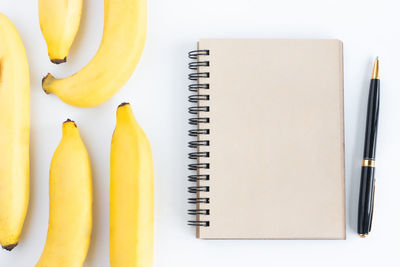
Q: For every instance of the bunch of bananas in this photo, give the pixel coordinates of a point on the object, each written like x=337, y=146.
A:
x=131, y=187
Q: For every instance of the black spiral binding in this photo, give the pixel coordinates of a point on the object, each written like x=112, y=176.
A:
x=198, y=132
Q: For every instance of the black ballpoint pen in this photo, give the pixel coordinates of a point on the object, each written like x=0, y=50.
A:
x=367, y=184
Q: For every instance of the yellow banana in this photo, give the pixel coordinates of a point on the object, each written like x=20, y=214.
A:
x=131, y=194
x=14, y=134
x=59, y=22
x=124, y=34
x=70, y=219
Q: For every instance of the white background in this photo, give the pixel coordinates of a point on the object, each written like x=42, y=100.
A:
x=158, y=94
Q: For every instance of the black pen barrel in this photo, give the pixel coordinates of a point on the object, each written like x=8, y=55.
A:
x=371, y=129
x=367, y=182
x=366, y=200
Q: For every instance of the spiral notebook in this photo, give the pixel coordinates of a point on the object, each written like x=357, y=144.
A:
x=268, y=139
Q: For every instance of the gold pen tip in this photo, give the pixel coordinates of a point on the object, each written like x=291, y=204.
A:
x=363, y=235
x=375, y=71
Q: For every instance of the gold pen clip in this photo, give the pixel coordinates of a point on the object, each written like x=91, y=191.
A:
x=373, y=206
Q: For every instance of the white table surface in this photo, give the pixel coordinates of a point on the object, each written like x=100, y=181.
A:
x=158, y=93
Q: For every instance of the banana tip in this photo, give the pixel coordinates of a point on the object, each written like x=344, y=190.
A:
x=58, y=60
x=10, y=247
x=123, y=104
x=45, y=78
x=69, y=120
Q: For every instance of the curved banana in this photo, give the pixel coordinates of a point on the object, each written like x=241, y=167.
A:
x=59, y=22
x=70, y=219
x=14, y=134
x=124, y=34
x=131, y=194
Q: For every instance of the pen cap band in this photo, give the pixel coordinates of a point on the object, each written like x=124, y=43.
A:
x=368, y=163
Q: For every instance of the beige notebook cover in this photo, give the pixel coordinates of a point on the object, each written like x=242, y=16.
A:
x=276, y=140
